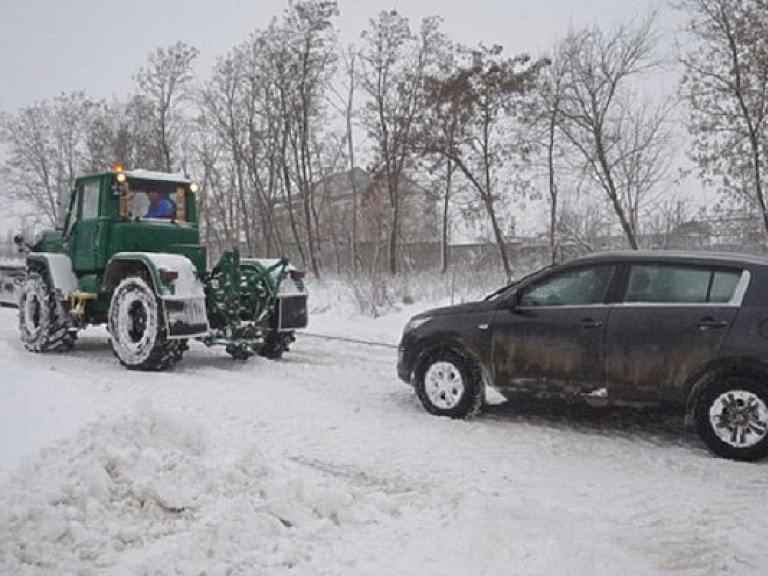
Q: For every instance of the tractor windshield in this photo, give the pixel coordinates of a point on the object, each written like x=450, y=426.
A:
x=159, y=200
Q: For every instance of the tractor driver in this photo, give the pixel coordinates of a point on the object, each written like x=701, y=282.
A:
x=160, y=206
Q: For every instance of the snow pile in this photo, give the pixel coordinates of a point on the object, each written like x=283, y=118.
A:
x=151, y=493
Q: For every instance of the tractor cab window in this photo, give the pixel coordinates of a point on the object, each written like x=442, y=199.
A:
x=153, y=200
x=71, y=217
x=90, y=206
x=83, y=205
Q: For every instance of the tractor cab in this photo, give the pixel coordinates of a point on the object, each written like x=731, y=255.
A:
x=130, y=211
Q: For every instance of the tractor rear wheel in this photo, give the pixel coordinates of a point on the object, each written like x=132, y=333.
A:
x=276, y=344
x=137, y=328
x=42, y=318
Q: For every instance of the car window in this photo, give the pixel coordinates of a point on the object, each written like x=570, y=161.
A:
x=724, y=285
x=680, y=284
x=579, y=287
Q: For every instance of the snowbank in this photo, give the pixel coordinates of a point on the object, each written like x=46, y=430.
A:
x=150, y=493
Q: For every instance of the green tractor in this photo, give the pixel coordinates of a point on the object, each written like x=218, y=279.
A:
x=129, y=256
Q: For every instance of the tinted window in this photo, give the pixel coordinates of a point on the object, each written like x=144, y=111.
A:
x=680, y=284
x=723, y=286
x=573, y=288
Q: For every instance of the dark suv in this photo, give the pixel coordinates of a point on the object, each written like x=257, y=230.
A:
x=682, y=329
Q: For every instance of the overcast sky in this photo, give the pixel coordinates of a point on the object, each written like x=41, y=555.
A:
x=50, y=46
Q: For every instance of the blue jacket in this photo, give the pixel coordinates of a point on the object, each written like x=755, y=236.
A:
x=163, y=208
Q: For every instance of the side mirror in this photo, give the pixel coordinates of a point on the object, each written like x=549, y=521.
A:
x=508, y=301
x=21, y=245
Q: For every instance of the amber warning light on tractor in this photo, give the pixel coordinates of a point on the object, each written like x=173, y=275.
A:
x=120, y=176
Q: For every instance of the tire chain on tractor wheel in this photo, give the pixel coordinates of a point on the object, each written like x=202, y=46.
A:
x=166, y=352
x=58, y=335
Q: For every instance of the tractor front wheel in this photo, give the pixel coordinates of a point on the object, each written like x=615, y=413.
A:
x=136, y=327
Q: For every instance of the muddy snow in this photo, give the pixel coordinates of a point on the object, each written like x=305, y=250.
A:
x=324, y=463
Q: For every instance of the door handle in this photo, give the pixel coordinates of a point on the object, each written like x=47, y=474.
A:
x=589, y=324
x=710, y=324
x=95, y=240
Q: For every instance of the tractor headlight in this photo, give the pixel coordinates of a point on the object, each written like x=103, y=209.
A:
x=194, y=187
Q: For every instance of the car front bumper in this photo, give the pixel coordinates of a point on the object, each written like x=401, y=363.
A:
x=403, y=366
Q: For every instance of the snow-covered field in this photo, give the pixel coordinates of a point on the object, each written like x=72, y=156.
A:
x=324, y=464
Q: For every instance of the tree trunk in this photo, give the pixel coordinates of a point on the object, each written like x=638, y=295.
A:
x=552, y=188
x=444, y=255
x=499, y=236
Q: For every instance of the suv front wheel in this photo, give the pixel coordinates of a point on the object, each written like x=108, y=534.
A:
x=732, y=418
x=448, y=384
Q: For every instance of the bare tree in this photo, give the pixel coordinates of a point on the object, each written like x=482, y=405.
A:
x=726, y=86
x=443, y=119
x=395, y=64
x=220, y=152
x=667, y=219
x=225, y=101
x=624, y=143
x=313, y=37
x=165, y=82
x=546, y=129
x=583, y=221
x=46, y=145
x=349, y=112
x=485, y=97
x=122, y=132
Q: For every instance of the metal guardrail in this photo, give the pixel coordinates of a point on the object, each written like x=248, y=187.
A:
x=11, y=276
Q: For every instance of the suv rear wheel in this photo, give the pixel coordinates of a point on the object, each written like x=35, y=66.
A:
x=732, y=418
x=448, y=384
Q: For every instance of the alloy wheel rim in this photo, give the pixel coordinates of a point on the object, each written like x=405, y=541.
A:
x=739, y=418
x=444, y=385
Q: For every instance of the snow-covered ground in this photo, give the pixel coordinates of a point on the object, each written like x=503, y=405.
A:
x=323, y=463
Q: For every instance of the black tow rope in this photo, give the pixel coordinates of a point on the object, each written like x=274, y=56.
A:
x=350, y=340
